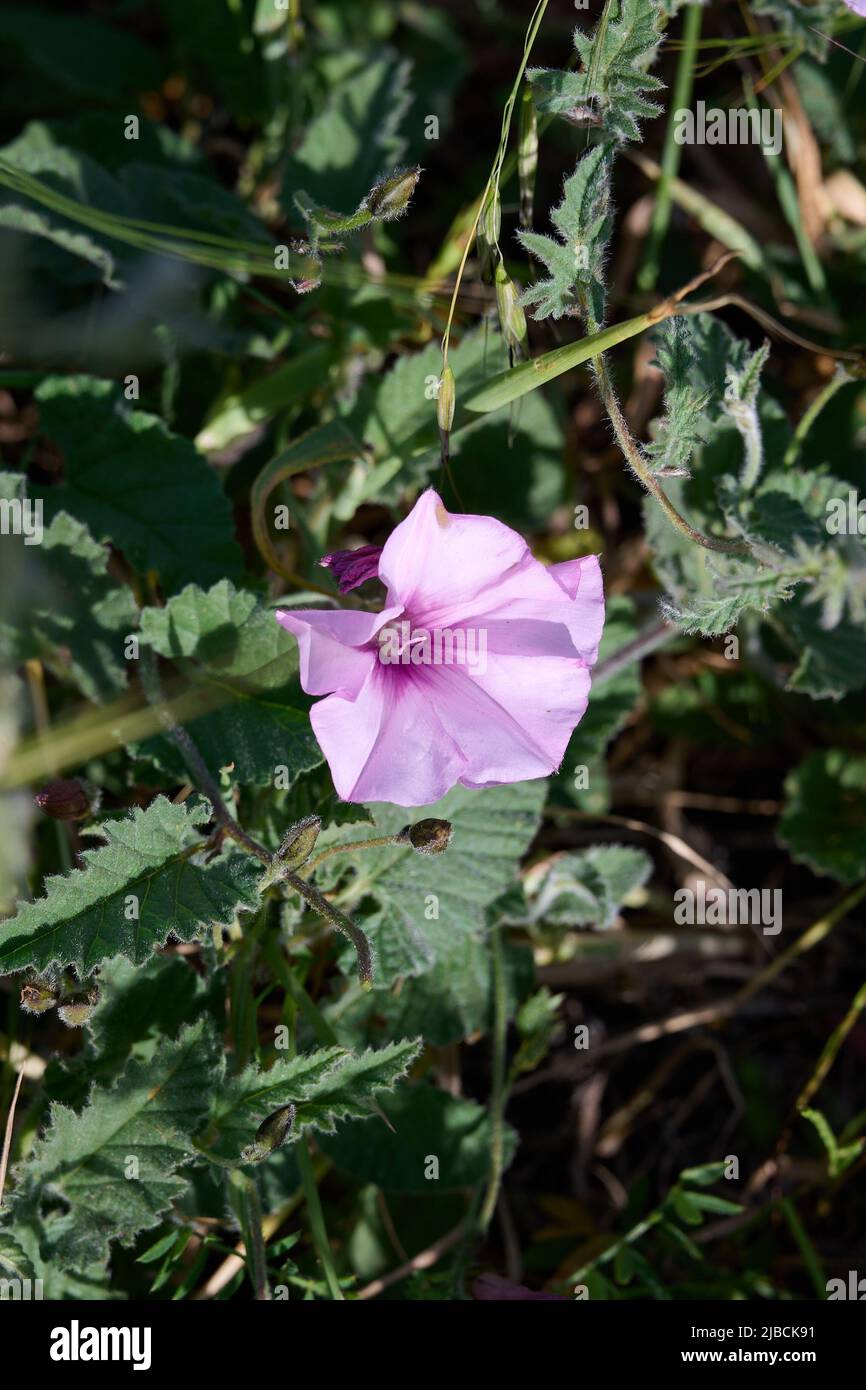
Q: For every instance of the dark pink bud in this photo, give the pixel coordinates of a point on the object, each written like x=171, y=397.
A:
x=64, y=799
x=352, y=567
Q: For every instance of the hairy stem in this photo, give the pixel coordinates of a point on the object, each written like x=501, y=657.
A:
x=338, y=919
x=379, y=842
x=249, y=1210
x=636, y=462
x=193, y=758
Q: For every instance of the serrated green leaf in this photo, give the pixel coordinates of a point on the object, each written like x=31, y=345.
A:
x=245, y=664
x=136, y=484
x=115, y=1163
x=612, y=80
x=14, y=1263
x=681, y=429
x=575, y=263
x=347, y=1090
x=823, y=823
x=450, y=1001
x=84, y=917
x=244, y=1101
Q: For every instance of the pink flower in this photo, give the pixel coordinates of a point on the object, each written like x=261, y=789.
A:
x=858, y=6
x=476, y=671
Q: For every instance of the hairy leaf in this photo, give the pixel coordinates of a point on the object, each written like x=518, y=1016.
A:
x=244, y=665
x=428, y=1122
x=612, y=80
x=587, y=887
x=115, y=1163
x=575, y=262
x=132, y=893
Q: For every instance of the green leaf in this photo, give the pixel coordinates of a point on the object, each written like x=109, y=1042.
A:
x=346, y=1092
x=240, y=660
x=73, y=174
x=680, y=431
x=33, y=222
x=575, y=263
x=839, y=1158
x=114, y=1164
x=612, y=79
x=425, y=904
x=60, y=605
x=240, y=414
x=327, y=1085
x=510, y=385
x=136, y=484
x=428, y=1123
x=357, y=135
x=823, y=823
x=78, y=54
x=585, y=887
x=85, y=916
x=244, y=1101
x=395, y=416
x=14, y=1263
x=830, y=662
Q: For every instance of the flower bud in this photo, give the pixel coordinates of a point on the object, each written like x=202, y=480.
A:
x=77, y=1009
x=271, y=1134
x=489, y=224
x=65, y=799
x=37, y=997
x=527, y=155
x=390, y=197
x=445, y=400
x=427, y=836
x=511, y=316
x=353, y=567
x=299, y=842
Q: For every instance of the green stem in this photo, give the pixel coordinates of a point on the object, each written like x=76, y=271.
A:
x=317, y=1219
x=499, y=1095
x=635, y=460
x=245, y=1195
x=682, y=95
x=192, y=757
x=496, y=172
x=339, y=920
x=379, y=842
x=826, y=394
x=294, y=989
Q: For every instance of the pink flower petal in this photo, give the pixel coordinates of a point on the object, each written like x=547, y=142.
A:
x=387, y=744
x=436, y=562
x=331, y=646
x=512, y=722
